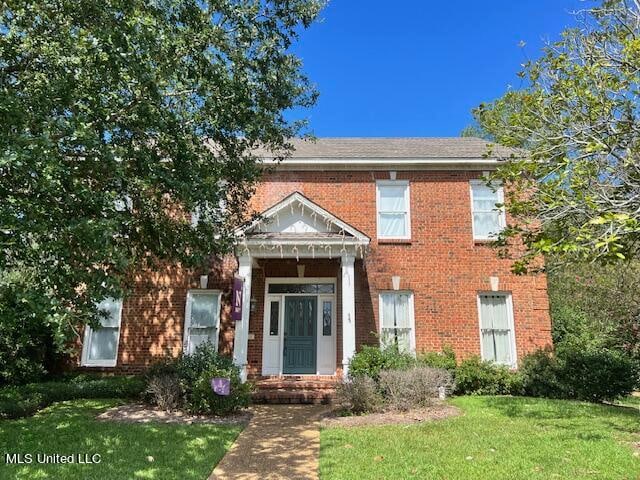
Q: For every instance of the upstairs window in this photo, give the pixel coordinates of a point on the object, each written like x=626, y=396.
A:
x=202, y=319
x=488, y=217
x=100, y=346
x=396, y=320
x=496, y=329
x=393, y=209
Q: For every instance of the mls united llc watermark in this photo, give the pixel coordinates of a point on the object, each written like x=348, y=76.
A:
x=52, y=458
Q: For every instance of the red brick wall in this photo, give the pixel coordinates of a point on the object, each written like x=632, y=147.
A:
x=441, y=264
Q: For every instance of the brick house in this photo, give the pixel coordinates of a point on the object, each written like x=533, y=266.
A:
x=361, y=240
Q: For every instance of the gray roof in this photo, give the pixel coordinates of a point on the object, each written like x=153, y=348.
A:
x=415, y=148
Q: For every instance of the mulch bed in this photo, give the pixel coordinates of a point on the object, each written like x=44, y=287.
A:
x=141, y=413
x=437, y=411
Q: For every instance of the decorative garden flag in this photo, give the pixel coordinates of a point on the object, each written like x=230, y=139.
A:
x=236, y=300
x=221, y=386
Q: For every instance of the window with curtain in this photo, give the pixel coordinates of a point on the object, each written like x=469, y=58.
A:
x=396, y=320
x=202, y=319
x=496, y=327
x=488, y=218
x=393, y=209
x=100, y=347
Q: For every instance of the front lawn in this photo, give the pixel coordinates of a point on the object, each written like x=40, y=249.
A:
x=496, y=438
x=128, y=451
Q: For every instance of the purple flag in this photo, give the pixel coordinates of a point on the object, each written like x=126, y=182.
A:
x=221, y=386
x=236, y=300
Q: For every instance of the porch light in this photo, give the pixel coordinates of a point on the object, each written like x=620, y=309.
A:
x=204, y=281
x=395, y=281
x=300, y=271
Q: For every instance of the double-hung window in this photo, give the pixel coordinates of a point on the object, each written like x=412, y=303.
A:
x=100, y=346
x=488, y=213
x=396, y=320
x=496, y=328
x=202, y=319
x=394, y=220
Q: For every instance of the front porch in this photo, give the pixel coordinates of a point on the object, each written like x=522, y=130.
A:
x=297, y=331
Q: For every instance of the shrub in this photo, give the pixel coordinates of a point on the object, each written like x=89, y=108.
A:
x=445, y=359
x=164, y=390
x=474, y=376
x=359, y=395
x=194, y=373
x=415, y=387
x=25, y=400
x=581, y=373
x=370, y=361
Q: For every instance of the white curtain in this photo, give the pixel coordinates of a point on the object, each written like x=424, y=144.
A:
x=396, y=322
x=203, y=320
x=496, y=334
x=392, y=211
x=103, y=341
x=486, y=215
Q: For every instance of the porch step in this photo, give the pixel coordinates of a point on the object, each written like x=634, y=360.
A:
x=295, y=389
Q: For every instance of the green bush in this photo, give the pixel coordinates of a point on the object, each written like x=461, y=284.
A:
x=445, y=359
x=25, y=400
x=475, y=376
x=581, y=373
x=194, y=373
x=370, y=361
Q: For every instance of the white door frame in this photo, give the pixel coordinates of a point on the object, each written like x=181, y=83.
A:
x=280, y=297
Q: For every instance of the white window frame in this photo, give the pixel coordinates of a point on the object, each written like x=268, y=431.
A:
x=187, y=316
x=412, y=316
x=407, y=199
x=510, y=319
x=502, y=219
x=86, y=343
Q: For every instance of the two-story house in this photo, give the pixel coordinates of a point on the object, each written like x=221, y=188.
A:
x=360, y=241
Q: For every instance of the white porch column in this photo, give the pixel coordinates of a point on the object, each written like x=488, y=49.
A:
x=348, y=312
x=241, y=336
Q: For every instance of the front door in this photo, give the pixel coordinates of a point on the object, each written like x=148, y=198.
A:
x=300, y=315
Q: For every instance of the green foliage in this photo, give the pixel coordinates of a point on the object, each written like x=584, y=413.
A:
x=445, y=359
x=194, y=373
x=474, y=376
x=25, y=400
x=371, y=360
x=580, y=373
x=117, y=119
x=573, y=193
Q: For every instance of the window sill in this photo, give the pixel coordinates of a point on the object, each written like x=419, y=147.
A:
x=395, y=241
x=98, y=365
x=483, y=241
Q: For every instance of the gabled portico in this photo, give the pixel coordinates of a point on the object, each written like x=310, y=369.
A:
x=299, y=314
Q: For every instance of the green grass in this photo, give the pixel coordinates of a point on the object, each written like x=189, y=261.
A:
x=497, y=438
x=178, y=451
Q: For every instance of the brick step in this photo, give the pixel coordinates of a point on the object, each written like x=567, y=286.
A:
x=285, y=395
x=289, y=385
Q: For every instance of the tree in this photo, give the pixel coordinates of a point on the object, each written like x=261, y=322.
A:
x=575, y=192
x=118, y=118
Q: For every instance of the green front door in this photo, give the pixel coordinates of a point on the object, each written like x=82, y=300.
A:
x=300, y=314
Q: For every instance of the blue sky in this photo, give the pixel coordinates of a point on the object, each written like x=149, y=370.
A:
x=417, y=68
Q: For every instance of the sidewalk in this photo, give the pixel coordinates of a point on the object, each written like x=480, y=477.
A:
x=280, y=442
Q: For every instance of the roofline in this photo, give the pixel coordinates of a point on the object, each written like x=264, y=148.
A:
x=380, y=163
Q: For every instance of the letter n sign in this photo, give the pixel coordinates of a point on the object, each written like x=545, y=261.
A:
x=236, y=301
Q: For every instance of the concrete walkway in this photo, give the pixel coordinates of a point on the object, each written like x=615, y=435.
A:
x=280, y=442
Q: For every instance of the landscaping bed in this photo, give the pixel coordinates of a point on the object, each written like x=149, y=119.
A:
x=437, y=411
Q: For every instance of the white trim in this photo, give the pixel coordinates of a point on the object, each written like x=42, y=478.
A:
x=412, y=315
x=187, y=316
x=297, y=197
x=383, y=163
x=512, y=339
x=407, y=199
x=270, y=297
x=502, y=219
x=86, y=343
